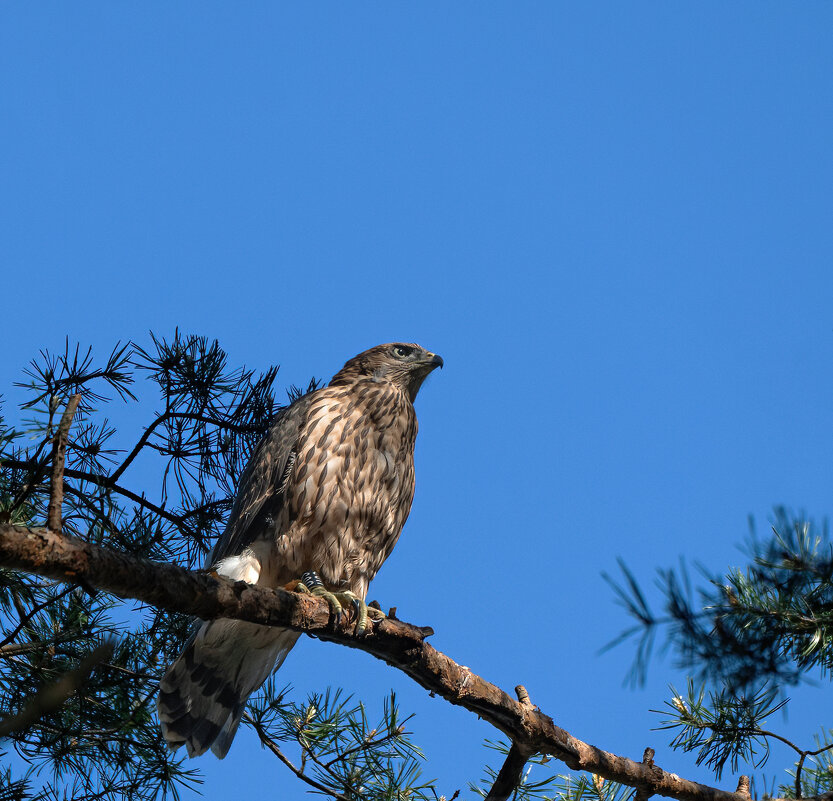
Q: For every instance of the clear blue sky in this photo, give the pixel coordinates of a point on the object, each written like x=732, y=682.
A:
x=613, y=220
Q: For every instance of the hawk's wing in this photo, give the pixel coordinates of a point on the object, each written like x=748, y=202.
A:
x=261, y=488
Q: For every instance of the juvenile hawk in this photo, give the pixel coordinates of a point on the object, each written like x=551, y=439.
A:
x=328, y=489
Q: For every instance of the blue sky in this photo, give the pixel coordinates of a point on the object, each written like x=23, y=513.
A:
x=612, y=220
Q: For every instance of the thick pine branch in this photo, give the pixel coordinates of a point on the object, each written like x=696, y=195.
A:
x=208, y=596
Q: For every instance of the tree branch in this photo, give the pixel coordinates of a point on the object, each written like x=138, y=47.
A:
x=26, y=617
x=207, y=595
x=509, y=776
x=275, y=749
x=197, y=418
x=59, y=452
x=108, y=483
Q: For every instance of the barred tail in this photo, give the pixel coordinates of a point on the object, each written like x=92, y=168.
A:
x=203, y=694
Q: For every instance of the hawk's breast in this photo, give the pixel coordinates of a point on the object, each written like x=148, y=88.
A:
x=351, y=485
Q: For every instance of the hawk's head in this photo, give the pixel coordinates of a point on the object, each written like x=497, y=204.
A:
x=401, y=363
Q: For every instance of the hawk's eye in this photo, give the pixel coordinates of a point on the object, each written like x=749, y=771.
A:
x=402, y=352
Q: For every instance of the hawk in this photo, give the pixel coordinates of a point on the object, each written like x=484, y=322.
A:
x=323, y=499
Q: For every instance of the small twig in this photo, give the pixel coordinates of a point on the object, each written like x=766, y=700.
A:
x=798, y=768
x=104, y=481
x=273, y=747
x=363, y=746
x=819, y=750
x=800, y=764
x=59, y=452
x=765, y=733
x=14, y=648
x=107, y=483
x=96, y=736
x=52, y=696
x=18, y=605
x=26, y=617
x=802, y=754
x=310, y=754
x=37, y=469
x=168, y=415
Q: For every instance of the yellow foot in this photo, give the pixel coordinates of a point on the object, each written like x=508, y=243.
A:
x=311, y=583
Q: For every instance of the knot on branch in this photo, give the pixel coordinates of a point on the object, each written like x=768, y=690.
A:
x=523, y=696
x=644, y=792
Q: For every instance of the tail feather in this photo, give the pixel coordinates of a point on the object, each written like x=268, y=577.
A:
x=203, y=695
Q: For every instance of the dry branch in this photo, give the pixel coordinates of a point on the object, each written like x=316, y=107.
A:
x=59, y=452
x=207, y=595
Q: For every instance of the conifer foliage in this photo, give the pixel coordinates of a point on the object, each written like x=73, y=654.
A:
x=79, y=668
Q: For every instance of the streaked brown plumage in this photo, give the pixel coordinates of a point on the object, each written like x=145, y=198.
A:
x=328, y=489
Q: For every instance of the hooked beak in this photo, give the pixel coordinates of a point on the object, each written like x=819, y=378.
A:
x=435, y=361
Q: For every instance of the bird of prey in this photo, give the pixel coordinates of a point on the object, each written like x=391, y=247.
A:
x=322, y=500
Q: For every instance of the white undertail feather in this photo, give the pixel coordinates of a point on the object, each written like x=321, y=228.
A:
x=244, y=567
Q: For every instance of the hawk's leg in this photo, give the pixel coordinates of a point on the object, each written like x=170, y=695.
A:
x=311, y=583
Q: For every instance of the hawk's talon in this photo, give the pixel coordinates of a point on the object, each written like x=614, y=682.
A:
x=359, y=609
x=311, y=584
